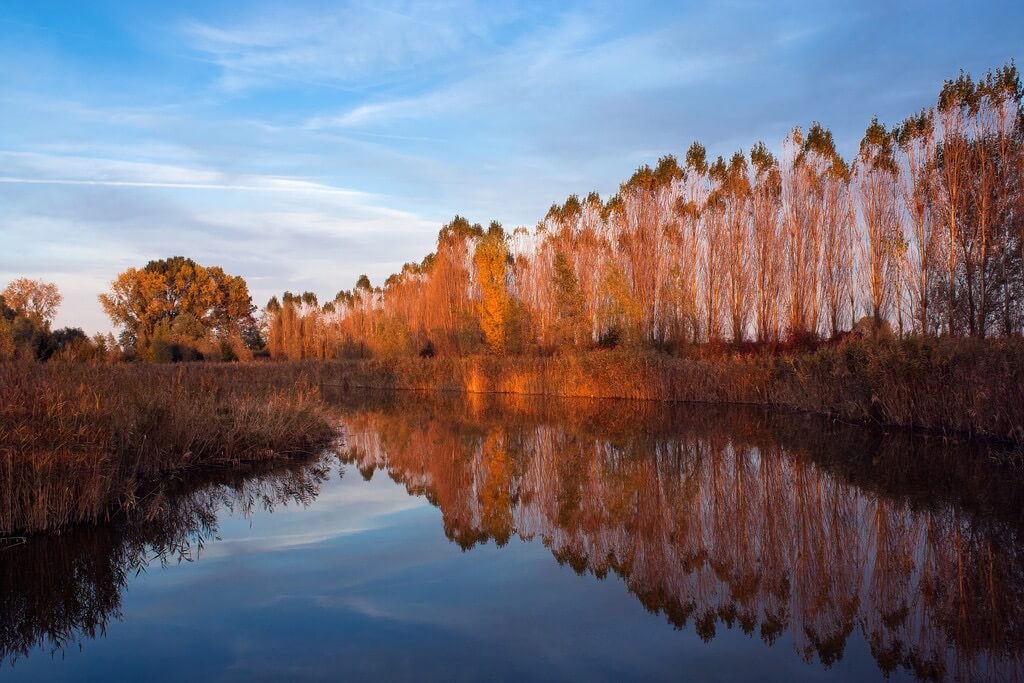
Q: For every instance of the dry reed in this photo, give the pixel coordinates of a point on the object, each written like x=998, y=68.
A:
x=77, y=442
x=945, y=385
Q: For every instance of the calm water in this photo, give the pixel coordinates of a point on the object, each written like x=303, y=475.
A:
x=518, y=539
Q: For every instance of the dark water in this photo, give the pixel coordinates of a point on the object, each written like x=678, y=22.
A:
x=518, y=539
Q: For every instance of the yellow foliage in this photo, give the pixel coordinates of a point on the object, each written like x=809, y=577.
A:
x=490, y=260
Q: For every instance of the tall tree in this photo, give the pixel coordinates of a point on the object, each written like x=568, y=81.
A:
x=953, y=106
x=767, y=241
x=737, y=256
x=491, y=259
x=877, y=186
x=916, y=142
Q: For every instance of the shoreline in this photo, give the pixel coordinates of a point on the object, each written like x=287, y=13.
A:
x=947, y=387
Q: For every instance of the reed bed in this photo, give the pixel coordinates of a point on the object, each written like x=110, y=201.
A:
x=79, y=443
x=945, y=385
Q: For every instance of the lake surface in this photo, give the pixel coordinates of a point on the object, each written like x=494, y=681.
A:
x=516, y=538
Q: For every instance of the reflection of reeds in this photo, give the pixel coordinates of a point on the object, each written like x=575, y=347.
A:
x=62, y=589
x=76, y=441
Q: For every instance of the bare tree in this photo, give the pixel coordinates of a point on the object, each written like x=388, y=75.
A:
x=735, y=188
x=952, y=156
x=829, y=176
x=767, y=241
x=916, y=141
x=877, y=188
x=802, y=219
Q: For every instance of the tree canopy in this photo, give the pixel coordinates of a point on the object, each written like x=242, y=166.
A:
x=179, y=300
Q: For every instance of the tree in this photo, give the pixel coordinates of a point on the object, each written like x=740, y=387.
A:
x=877, y=183
x=767, y=242
x=568, y=301
x=736, y=188
x=916, y=141
x=802, y=208
x=490, y=260
x=1003, y=93
x=954, y=103
x=830, y=179
x=205, y=302
x=26, y=309
x=447, y=299
x=33, y=298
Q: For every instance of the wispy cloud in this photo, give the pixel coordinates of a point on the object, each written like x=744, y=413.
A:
x=535, y=76
x=78, y=220
x=262, y=185
x=341, y=45
x=46, y=169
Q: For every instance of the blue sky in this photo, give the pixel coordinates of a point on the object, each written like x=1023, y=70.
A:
x=299, y=144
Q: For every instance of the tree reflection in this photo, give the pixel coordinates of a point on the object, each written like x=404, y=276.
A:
x=736, y=518
x=786, y=527
x=60, y=590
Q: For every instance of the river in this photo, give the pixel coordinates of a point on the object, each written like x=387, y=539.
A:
x=515, y=538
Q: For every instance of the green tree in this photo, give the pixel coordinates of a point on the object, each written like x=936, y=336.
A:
x=569, y=300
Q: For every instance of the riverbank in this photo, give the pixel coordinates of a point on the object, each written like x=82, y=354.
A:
x=965, y=387
x=83, y=443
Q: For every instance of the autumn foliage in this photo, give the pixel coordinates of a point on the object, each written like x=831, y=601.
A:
x=922, y=232
x=177, y=309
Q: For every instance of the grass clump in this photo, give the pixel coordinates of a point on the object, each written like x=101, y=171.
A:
x=79, y=443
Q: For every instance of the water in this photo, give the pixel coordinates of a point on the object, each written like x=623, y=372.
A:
x=513, y=539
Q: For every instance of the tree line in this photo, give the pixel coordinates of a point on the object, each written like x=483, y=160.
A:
x=27, y=309
x=922, y=232
x=171, y=309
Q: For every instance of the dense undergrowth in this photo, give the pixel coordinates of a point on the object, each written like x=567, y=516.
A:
x=80, y=443
x=948, y=385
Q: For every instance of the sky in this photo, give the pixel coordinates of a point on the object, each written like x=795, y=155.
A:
x=299, y=144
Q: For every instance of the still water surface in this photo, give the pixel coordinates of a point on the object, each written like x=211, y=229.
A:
x=513, y=539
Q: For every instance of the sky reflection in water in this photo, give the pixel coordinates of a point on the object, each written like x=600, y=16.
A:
x=731, y=544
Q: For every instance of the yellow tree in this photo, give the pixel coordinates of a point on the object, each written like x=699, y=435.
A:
x=33, y=298
x=180, y=296
x=490, y=261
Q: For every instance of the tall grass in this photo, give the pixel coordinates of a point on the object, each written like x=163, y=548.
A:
x=945, y=385
x=78, y=442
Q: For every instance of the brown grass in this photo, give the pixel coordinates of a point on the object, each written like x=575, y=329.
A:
x=952, y=386
x=79, y=442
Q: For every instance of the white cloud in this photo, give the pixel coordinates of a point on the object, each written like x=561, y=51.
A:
x=79, y=220
x=570, y=67
x=340, y=45
x=50, y=169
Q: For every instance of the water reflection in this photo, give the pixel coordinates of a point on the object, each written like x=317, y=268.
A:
x=734, y=518
x=795, y=531
x=58, y=591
